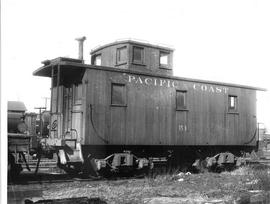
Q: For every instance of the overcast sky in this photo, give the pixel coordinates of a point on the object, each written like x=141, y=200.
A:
x=227, y=41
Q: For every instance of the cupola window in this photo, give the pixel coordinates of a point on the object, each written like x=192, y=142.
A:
x=121, y=55
x=97, y=60
x=164, y=60
x=138, y=55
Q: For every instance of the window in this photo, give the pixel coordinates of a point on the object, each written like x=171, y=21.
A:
x=232, y=103
x=138, y=55
x=164, y=59
x=118, y=94
x=121, y=55
x=181, y=100
x=77, y=94
x=97, y=60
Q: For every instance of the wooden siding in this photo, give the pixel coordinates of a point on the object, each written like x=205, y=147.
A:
x=150, y=116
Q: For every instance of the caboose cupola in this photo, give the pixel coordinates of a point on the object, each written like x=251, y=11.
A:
x=134, y=55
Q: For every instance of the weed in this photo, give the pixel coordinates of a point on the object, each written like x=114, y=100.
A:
x=263, y=178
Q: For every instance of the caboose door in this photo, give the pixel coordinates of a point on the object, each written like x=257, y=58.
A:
x=73, y=112
x=182, y=128
x=76, y=112
x=232, y=128
x=56, y=130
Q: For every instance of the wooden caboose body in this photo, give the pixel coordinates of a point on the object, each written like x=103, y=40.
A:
x=153, y=110
x=129, y=100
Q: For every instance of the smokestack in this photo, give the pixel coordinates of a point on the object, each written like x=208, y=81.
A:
x=81, y=40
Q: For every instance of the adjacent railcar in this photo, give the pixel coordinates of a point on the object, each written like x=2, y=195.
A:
x=21, y=136
x=128, y=99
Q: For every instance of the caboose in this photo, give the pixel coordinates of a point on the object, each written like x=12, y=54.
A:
x=126, y=109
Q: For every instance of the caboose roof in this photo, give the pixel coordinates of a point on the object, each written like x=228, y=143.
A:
x=134, y=42
x=68, y=63
x=73, y=65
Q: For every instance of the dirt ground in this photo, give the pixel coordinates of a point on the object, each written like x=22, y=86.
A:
x=244, y=185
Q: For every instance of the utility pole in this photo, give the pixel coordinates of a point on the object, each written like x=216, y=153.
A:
x=40, y=121
x=46, y=99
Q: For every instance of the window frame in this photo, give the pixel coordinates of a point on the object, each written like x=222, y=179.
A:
x=233, y=108
x=77, y=92
x=124, y=95
x=118, y=62
x=138, y=62
x=94, y=59
x=168, y=65
x=185, y=106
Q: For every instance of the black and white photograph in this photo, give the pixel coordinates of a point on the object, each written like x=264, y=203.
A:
x=135, y=102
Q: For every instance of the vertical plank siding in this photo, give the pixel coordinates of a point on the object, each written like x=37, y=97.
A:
x=150, y=116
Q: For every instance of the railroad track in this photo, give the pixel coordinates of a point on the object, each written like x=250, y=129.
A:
x=42, y=178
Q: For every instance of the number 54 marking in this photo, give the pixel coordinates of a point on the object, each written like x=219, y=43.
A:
x=182, y=128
